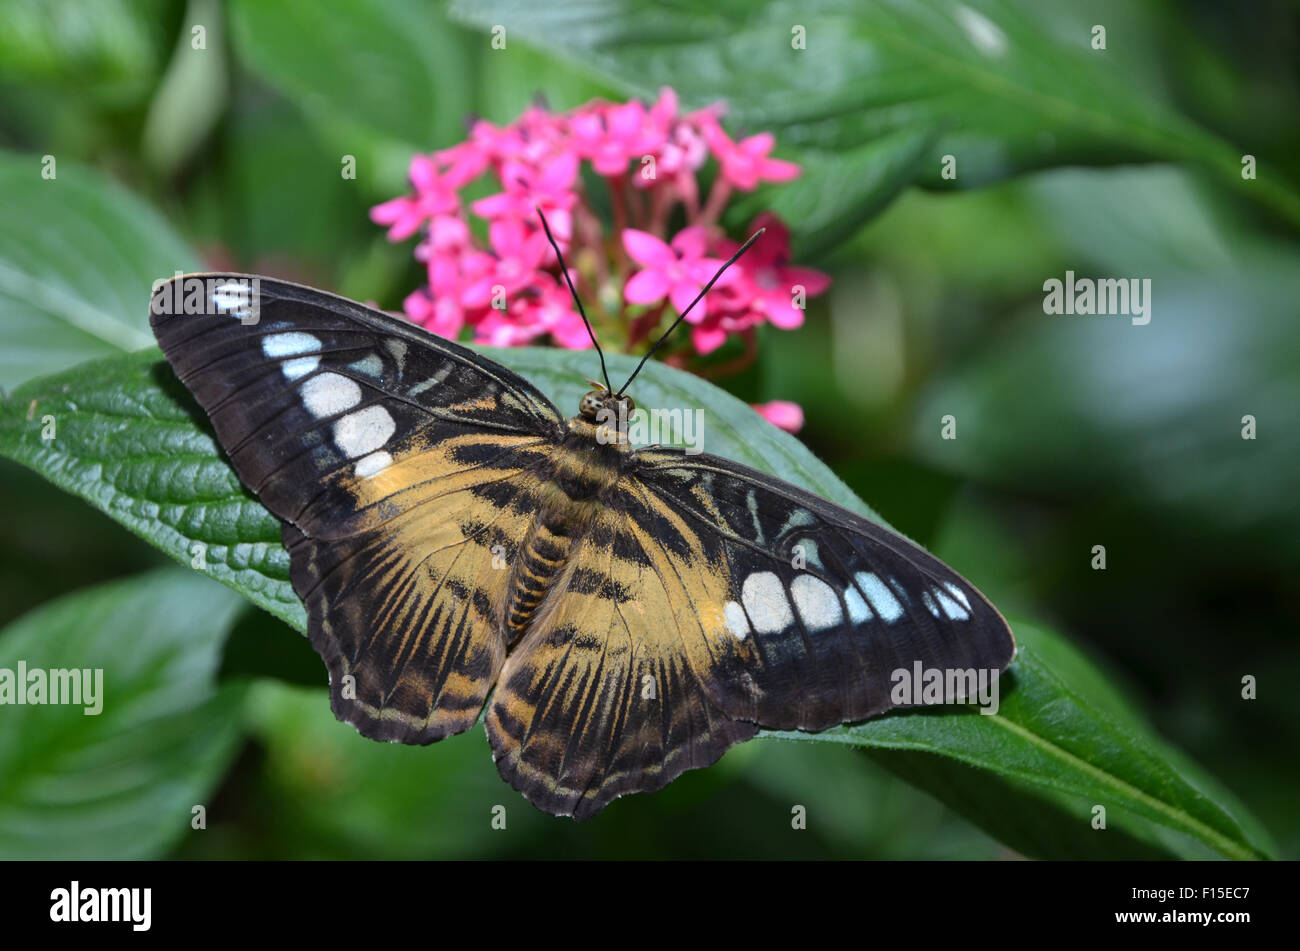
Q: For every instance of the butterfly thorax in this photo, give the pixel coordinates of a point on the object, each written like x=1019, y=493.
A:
x=585, y=466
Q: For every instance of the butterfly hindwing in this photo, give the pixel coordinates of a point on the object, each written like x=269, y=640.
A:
x=399, y=465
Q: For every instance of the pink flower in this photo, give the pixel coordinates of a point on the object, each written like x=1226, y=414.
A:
x=445, y=235
x=435, y=194
x=721, y=320
x=537, y=163
x=462, y=163
x=684, y=150
x=769, y=283
x=547, y=309
x=745, y=163
x=442, y=315
x=678, y=271
x=611, y=136
x=520, y=251
x=527, y=188
x=439, y=306
x=782, y=414
x=530, y=138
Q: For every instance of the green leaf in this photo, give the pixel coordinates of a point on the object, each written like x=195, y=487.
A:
x=1053, y=751
x=120, y=783
x=837, y=191
x=192, y=94
x=417, y=85
x=1112, y=411
x=1002, y=85
x=104, y=49
x=78, y=255
x=130, y=441
x=127, y=438
x=320, y=777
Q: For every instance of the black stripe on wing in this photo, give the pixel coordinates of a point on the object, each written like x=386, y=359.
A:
x=825, y=606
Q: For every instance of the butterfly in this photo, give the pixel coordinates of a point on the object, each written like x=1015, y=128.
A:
x=620, y=615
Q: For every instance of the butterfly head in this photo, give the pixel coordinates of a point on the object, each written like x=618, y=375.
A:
x=602, y=405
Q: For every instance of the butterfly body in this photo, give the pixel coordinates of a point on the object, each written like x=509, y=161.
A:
x=619, y=614
x=581, y=471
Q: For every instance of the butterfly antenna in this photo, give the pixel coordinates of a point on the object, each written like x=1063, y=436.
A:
x=698, y=297
x=576, y=300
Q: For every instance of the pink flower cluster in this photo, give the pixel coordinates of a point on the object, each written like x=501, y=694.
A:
x=490, y=267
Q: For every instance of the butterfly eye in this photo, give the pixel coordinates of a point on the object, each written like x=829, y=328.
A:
x=591, y=405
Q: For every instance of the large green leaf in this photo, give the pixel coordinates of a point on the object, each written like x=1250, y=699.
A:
x=77, y=255
x=1002, y=85
x=132, y=443
x=121, y=783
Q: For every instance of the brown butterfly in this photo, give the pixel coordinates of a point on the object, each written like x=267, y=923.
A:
x=625, y=614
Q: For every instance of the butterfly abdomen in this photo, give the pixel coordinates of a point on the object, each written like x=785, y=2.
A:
x=542, y=559
x=580, y=472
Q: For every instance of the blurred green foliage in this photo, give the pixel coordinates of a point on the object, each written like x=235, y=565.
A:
x=1073, y=431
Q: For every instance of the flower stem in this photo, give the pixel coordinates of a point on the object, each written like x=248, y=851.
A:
x=619, y=206
x=718, y=195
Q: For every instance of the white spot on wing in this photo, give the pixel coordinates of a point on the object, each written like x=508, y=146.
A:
x=882, y=599
x=858, y=610
x=751, y=501
x=766, y=602
x=330, y=394
x=292, y=344
x=817, y=602
x=799, y=518
x=373, y=464
x=811, y=553
x=370, y=365
x=431, y=382
x=931, y=605
x=958, y=593
x=951, y=607
x=232, y=299
x=299, y=367
x=362, y=432
x=737, y=623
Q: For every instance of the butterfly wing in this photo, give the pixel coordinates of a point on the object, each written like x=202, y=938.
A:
x=822, y=606
x=399, y=463
x=711, y=600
